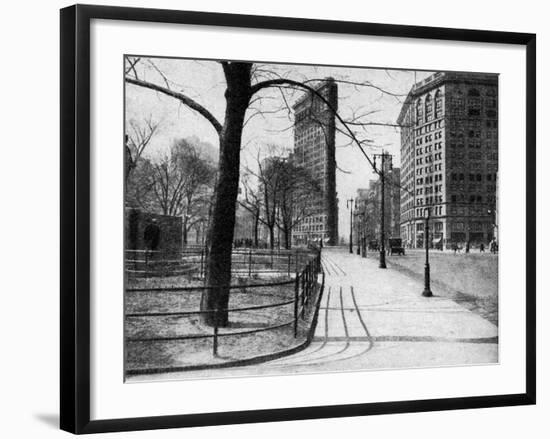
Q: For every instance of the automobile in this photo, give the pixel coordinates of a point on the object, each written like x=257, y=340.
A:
x=396, y=246
x=373, y=245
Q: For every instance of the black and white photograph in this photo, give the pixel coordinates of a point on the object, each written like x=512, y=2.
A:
x=285, y=219
x=275, y=219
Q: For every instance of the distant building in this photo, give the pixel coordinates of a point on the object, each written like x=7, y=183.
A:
x=368, y=205
x=314, y=150
x=449, y=158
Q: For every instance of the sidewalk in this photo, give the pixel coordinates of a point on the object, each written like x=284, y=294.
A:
x=371, y=318
x=374, y=318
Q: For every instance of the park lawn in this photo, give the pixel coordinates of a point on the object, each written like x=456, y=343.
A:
x=143, y=355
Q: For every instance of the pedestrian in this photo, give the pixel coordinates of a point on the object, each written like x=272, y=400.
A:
x=467, y=247
x=454, y=247
x=481, y=248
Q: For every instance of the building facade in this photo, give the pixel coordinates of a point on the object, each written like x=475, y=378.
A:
x=367, y=218
x=449, y=159
x=314, y=150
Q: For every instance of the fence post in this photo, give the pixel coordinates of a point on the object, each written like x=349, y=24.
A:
x=303, y=275
x=318, y=262
x=309, y=266
x=249, y=262
x=296, y=288
x=202, y=263
x=289, y=257
x=215, y=341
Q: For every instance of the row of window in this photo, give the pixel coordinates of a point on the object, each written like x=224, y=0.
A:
x=472, y=177
x=429, y=200
x=429, y=189
x=471, y=188
x=461, y=198
x=425, y=111
x=474, y=144
x=428, y=128
x=435, y=211
x=429, y=169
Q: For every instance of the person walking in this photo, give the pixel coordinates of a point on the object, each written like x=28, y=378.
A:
x=482, y=248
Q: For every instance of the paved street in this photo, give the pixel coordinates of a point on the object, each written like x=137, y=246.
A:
x=377, y=319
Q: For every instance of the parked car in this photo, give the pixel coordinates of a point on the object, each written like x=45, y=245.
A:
x=373, y=245
x=396, y=246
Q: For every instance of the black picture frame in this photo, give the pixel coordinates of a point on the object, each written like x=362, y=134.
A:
x=75, y=217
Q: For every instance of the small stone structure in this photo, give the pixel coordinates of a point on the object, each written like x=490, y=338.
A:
x=135, y=222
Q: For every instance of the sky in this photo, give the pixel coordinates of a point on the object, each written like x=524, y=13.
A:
x=271, y=129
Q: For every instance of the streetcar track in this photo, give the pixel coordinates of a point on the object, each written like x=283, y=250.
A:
x=340, y=268
x=334, y=269
x=325, y=267
x=315, y=361
x=306, y=354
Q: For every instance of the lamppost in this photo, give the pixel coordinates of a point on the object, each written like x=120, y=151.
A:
x=358, y=228
x=349, y=205
x=364, y=235
x=386, y=159
x=427, y=291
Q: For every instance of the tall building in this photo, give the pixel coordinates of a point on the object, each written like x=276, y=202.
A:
x=449, y=158
x=314, y=150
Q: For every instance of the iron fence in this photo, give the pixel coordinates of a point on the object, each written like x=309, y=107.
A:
x=192, y=262
x=305, y=284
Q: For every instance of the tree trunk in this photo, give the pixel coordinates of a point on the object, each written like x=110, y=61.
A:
x=256, y=226
x=185, y=231
x=288, y=233
x=215, y=298
x=271, y=237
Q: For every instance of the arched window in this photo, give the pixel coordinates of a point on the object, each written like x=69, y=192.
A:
x=473, y=92
x=438, y=104
x=419, y=112
x=428, y=107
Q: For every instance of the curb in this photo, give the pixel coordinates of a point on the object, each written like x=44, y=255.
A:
x=245, y=361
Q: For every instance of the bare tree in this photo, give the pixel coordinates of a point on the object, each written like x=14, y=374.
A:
x=297, y=189
x=138, y=137
x=176, y=184
x=280, y=199
x=245, y=84
x=252, y=202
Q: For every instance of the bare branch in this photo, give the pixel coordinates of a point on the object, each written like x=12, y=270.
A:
x=182, y=98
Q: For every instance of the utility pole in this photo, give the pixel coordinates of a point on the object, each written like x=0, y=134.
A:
x=357, y=226
x=385, y=158
x=360, y=225
x=349, y=205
